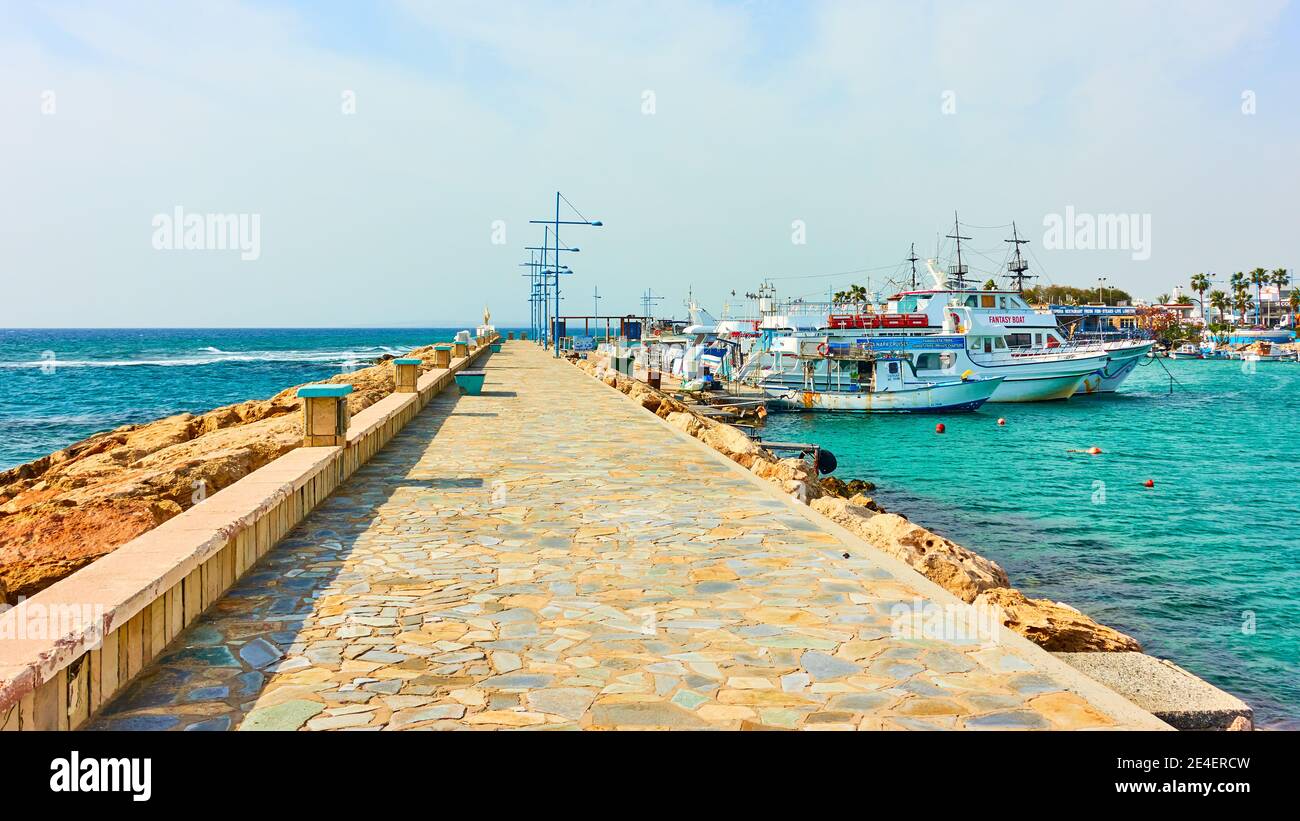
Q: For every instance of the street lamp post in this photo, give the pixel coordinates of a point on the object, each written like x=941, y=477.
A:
x=559, y=269
x=557, y=222
x=535, y=294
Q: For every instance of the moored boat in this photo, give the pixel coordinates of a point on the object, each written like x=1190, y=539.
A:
x=809, y=373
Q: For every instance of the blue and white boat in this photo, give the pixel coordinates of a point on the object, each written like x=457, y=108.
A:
x=899, y=375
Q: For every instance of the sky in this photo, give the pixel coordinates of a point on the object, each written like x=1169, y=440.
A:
x=391, y=154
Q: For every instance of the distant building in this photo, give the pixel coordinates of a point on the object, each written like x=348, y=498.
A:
x=1096, y=319
x=1185, y=311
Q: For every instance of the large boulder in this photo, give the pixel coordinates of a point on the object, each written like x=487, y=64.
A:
x=732, y=443
x=686, y=421
x=1055, y=626
x=42, y=545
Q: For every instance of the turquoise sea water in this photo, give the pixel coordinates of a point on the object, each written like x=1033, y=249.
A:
x=1203, y=569
x=60, y=386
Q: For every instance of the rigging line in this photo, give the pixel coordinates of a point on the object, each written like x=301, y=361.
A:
x=984, y=227
x=835, y=274
x=1042, y=269
x=571, y=205
x=987, y=257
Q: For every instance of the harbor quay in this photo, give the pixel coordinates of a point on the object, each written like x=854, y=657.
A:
x=544, y=553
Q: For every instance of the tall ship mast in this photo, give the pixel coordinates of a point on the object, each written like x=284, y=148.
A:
x=958, y=271
x=1017, y=266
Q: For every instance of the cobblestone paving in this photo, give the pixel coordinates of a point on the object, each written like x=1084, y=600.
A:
x=547, y=555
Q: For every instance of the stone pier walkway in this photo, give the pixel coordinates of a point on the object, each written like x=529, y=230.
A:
x=548, y=555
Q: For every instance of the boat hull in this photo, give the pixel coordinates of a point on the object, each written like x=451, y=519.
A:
x=1119, y=367
x=937, y=398
x=1038, y=388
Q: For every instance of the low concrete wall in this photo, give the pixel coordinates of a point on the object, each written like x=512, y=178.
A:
x=106, y=622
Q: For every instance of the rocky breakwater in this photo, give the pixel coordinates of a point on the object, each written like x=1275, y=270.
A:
x=64, y=511
x=971, y=577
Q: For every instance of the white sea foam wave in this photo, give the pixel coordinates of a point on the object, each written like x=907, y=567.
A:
x=214, y=356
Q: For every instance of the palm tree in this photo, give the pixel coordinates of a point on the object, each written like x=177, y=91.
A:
x=1243, y=302
x=1201, y=284
x=1219, y=301
x=1237, y=283
x=1258, y=277
x=1163, y=299
x=856, y=294
x=1281, y=279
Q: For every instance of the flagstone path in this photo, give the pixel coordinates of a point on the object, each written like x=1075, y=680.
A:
x=549, y=555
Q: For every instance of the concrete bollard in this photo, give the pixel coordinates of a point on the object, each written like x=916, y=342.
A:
x=407, y=372
x=442, y=356
x=325, y=415
x=461, y=349
x=523, y=336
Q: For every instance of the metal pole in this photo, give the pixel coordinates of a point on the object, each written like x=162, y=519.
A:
x=546, y=295
x=557, y=266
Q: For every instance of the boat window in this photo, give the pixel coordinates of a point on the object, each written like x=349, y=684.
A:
x=988, y=344
x=1020, y=340
x=1038, y=340
x=907, y=304
x=1001, y=344
x=928, y=362
x=893, y=367
x=972, y=301
x=987, y=300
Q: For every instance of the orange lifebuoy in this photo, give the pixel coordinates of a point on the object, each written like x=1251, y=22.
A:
x=822, y=349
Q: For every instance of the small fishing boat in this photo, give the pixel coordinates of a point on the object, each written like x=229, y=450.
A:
x=1187, y=351
x=1264, y=352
